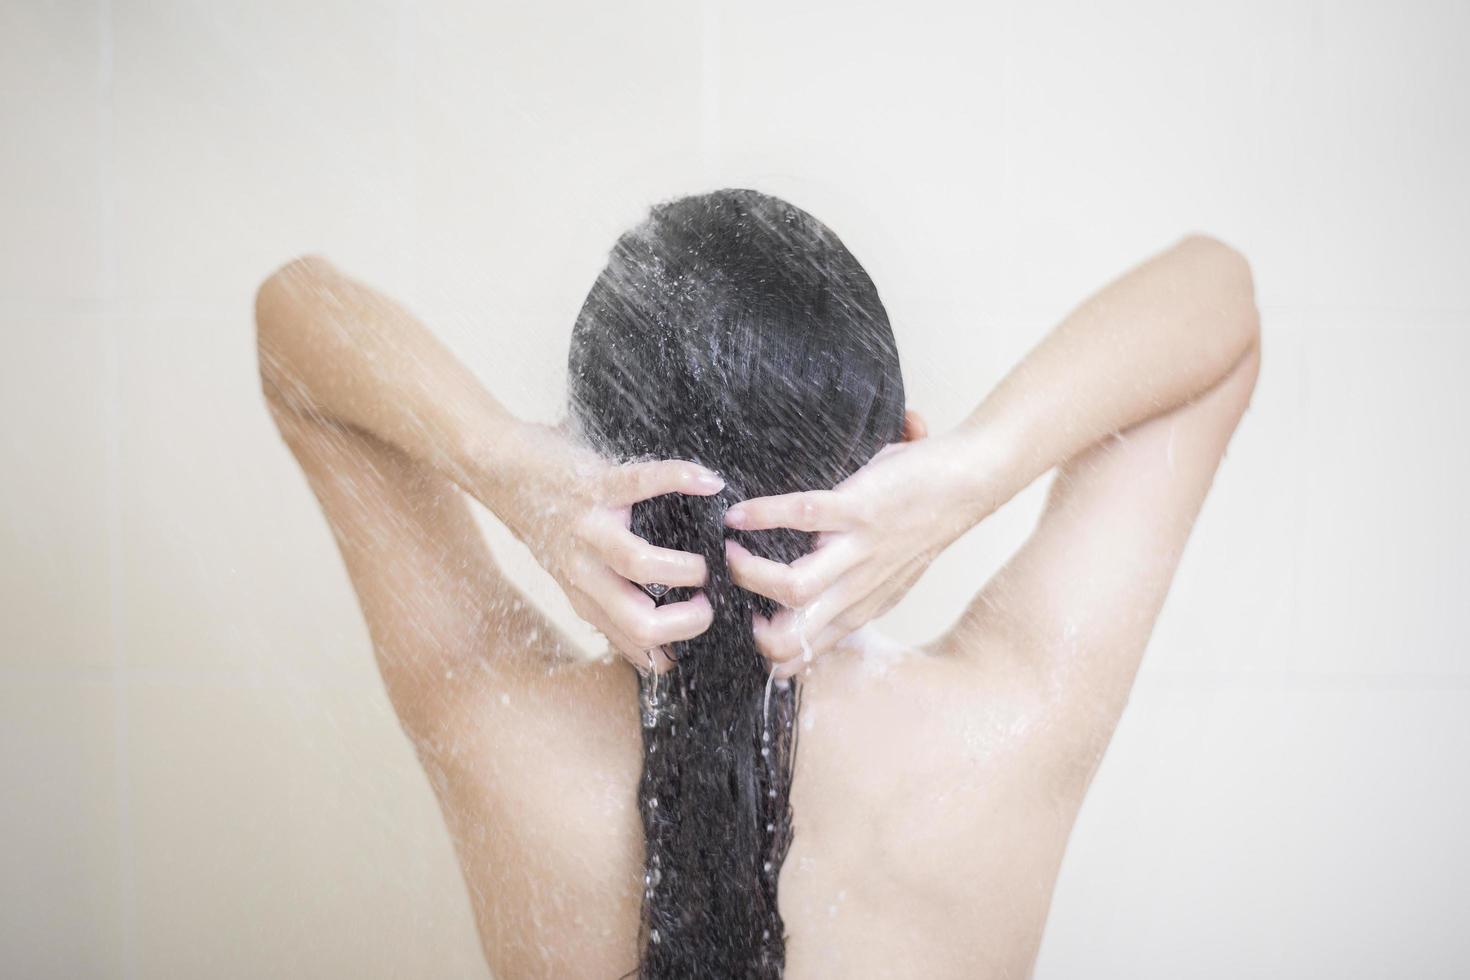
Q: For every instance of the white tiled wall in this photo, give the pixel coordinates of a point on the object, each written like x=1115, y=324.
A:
x=202, y=776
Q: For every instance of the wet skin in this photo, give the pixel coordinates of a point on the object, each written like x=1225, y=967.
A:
x=935, y=785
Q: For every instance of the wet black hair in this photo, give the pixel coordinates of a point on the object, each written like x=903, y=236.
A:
x=736, y=330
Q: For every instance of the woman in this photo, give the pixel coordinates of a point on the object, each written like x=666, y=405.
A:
x=740, y=490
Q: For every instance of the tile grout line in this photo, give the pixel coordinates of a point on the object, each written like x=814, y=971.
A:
x=112, y=483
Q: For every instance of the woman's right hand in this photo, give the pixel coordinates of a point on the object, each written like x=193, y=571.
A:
x=573, y=509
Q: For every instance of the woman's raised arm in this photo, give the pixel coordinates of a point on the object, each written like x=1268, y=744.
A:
x=1155, y=338
x=331, y=346
x=1146, y=345
x=335, y=353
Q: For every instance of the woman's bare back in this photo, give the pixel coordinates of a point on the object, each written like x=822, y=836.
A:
x=934, y=788
x=933, y=797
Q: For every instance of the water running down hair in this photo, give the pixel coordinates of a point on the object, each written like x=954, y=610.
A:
x=736, y=330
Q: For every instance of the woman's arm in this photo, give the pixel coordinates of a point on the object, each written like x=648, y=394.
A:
x=337, y=356
x=1155, y=338
x=1143, y=347
x=331, y=347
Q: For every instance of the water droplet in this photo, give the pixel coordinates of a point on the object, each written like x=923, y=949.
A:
x=652, y=700
x=654, y=936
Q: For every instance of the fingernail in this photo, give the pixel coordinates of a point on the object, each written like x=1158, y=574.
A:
x=735, y=517
x=709, y=480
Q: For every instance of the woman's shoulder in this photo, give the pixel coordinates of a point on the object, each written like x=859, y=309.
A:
x=938, y=707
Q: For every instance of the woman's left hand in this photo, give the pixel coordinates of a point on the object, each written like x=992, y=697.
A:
x=876, y=533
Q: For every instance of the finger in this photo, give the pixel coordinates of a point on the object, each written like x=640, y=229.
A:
x=789, y=669
x=638, y=561
x=825, y=641
x=809, y=510
x=763, y=632
x=804, y=633
x=792, y=585
x=634, y=614
x=641, y=659
x=852, y=619
x=914, y=426
x=788, y=666
x=662, y=662
x=786, y=637
x=829, y=639
x=591, y=611
x=632, y=482
x=677, y=621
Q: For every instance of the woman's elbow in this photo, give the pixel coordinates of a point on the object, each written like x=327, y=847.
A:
x=1233, y=279
x=1229, y=261
x=279, y=313
x=282, y=289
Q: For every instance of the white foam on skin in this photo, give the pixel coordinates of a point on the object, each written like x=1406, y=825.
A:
x=807, y=656
x=879, y=653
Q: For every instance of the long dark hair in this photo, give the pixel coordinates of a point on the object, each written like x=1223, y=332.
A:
x=733, y=329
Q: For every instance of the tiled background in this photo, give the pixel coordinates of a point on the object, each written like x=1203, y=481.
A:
x=201, y=775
